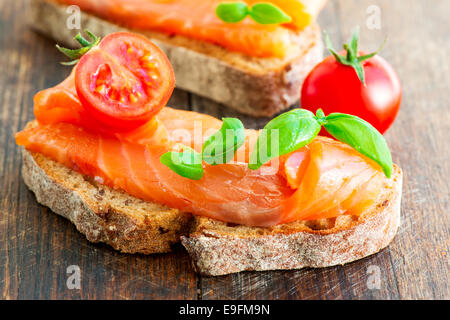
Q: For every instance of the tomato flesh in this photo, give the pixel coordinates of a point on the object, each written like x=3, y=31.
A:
x=124, y=81
x=334, y=87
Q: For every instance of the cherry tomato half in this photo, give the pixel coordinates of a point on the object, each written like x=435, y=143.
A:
x=124, y=81
x=335, y=87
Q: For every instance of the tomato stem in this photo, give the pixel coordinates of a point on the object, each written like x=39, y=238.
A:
x=352, y=59
x=76, y=54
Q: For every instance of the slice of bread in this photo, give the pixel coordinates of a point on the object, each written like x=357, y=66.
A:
x=219, y=248
x=132, y=225
x=255, y=86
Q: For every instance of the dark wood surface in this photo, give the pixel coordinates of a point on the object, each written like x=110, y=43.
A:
x=37, y=246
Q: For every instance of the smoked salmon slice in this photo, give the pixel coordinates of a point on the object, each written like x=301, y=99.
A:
x=196, y=19
x=229, y=192
x=335, y=180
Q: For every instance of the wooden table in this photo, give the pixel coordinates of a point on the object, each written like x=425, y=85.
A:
x=37, y=246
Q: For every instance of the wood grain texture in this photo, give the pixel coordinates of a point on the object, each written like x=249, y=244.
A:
x=37, y=246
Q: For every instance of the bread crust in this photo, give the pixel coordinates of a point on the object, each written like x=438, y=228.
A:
x=254, y=86
x=218, y=249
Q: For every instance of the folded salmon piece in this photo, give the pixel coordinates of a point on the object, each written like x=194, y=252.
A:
x=196, y=19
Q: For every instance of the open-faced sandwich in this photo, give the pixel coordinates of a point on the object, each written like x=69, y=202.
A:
x=106, y=153
x=248, y=55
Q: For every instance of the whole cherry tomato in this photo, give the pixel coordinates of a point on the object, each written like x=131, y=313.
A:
x=354, y=82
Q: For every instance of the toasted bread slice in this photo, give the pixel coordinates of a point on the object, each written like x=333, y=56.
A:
x=132, y=225
x=255, y=86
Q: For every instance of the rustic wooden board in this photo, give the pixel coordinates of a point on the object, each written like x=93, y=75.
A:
x=36, y=246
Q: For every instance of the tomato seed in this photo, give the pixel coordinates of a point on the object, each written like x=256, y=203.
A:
x=133, y=98
x=147, y=57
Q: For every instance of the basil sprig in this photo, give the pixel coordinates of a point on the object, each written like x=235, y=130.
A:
x=286, y=133
x=220, y=147
x=298, y=127
x=186, y=163
x=360, y=135
x=232, y=12
x=262, y=13
x=266, y=13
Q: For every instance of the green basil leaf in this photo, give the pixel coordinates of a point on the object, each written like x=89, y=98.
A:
x=362, y=136
x=232, y=12
x=288, y=132
x=187, y=163
x=221, y=147
x=267, y=13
